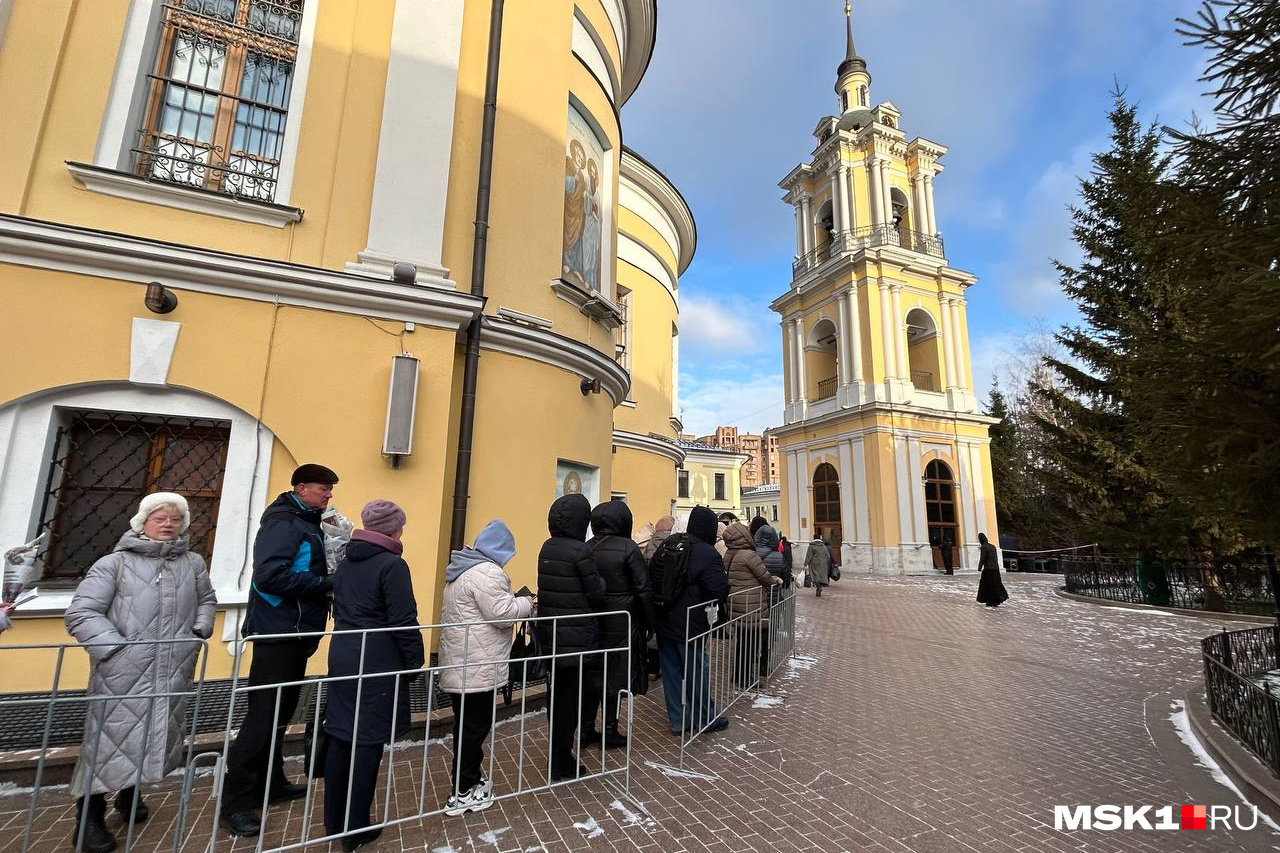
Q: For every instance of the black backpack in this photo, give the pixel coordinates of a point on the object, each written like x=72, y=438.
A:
x=669, y=571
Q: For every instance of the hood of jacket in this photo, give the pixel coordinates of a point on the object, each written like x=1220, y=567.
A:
x=702, y=525
x=139, y=544
x=738, y=538
x=611, y=518
x=495, y=543
x=569, y=516
x=767, y=537
x=287, y=504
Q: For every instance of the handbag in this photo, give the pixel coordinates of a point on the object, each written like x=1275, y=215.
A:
x=527, y=665
x=834, y=572
x=807, y=581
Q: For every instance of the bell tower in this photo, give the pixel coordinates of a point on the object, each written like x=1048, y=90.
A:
x=883, y=448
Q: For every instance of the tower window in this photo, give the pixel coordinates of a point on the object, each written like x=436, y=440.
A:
x=844, y=101
x=862, y=96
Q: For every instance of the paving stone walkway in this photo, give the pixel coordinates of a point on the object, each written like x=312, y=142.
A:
x=913, y=720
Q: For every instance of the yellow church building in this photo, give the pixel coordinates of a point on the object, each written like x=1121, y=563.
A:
x=401, y=238
x=884, y=451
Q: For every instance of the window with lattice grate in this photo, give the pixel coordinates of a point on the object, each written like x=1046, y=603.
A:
x=219, y=95
x=101, y=466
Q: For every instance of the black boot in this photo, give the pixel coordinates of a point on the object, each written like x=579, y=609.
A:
x=97, y=839
x=124, y=805
x=614, y=739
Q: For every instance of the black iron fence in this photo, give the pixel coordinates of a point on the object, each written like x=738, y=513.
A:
x=1237, y=666
x=1223, y=586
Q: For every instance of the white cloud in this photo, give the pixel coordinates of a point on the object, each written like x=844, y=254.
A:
x=751, y=403
x=720, y=328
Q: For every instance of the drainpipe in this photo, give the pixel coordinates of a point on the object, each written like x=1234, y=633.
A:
x=479, y=253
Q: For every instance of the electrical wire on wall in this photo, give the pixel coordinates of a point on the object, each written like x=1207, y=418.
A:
x=257, y=442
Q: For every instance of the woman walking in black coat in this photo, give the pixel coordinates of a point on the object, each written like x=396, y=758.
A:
x=569, y=587
x=991, y=590
x=621, y=565
x=371, y=589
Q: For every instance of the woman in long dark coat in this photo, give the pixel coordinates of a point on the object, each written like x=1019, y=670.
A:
x=371, y=589
x=990, y=588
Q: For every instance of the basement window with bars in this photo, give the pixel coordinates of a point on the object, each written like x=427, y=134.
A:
x=103, y=463
x=219, y=95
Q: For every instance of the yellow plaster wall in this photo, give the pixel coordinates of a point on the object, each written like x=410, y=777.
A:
x=649, y=481
x=702, y=486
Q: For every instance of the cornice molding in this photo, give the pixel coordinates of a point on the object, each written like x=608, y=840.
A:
x=47, y=245
x=556, y=350
x=648, y=444
x=641, y=30
x=648, y=179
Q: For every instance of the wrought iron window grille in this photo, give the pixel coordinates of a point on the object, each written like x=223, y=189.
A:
x=101, y=466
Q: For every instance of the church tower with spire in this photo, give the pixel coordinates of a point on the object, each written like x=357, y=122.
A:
x=885, y=454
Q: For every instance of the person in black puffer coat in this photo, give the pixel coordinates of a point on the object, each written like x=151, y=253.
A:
x=626, y=580
x=569, y=587
x=707, y=581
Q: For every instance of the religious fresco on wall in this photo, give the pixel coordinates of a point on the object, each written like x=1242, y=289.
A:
x=583, y=204
x=573, y=478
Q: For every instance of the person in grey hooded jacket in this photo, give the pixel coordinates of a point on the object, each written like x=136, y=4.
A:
x=142, y=612
x=479, y=612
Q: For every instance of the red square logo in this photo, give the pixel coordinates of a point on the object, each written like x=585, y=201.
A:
x=1194, y=817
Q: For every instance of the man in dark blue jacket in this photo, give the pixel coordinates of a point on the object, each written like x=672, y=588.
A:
x=289, y=595
x=682, y=630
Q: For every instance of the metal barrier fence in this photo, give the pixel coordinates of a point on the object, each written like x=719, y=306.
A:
x=412, y=780
x=748, y=638
x=1227, y=586
x=1239, y=696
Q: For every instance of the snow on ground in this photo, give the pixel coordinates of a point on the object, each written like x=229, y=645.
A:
x=1183, y=727
x=590, y=827
x=765, y=701
x=491, y=837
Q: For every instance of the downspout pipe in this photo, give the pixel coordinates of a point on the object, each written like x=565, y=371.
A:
x=479, y=254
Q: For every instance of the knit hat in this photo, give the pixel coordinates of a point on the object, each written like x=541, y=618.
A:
x=665, y=523
x=383, y=517
x=155, y=501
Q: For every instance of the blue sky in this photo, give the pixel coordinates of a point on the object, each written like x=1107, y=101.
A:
x=1017, y=89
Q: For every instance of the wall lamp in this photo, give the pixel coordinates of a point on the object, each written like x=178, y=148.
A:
x=589, y=386
x=159, y=299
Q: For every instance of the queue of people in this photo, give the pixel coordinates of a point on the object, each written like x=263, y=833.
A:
x=144, y=611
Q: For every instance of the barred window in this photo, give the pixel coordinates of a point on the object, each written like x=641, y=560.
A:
x=720, y=487
x=219, y=96
x=102, y=465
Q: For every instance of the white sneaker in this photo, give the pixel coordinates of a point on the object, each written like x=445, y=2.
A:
x=477, y=799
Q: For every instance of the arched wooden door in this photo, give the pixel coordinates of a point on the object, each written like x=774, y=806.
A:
x=826, y=508
x=940, y=508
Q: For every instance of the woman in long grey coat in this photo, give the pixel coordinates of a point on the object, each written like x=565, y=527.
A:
x=818, y=563
x=142, y=611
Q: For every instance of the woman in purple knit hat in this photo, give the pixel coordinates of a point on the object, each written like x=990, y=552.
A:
x=371, y=589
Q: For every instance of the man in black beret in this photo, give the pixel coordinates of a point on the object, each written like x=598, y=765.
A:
x=289, y=595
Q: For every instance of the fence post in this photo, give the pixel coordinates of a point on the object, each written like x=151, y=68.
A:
x=1226, y=650
x=1273, y=726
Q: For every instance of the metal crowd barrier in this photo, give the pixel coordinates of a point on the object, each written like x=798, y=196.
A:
x=516, y=763
x=734, y=655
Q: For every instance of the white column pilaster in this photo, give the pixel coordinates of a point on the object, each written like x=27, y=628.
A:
x=948, y=343
x=919, y=213
x=920, y=526
x=799, y=231
x=886, y=333
x=802, y=391
x=873, y=177
x=848, y=532
x=788, y=363
x=837, y=205
x=885, y=186
x=846, y=186
x=842, y=351
x=959, y=319
x=862, y=506
x=411, y=179
x=928, y=200
x=900, y=335
x=806, y=214
x=855, y=336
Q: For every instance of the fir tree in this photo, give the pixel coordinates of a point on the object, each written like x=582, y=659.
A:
x=1090, y=458
x=1209, y=392
x=1008, y=464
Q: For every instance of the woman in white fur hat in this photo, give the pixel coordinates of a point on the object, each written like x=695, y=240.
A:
x=143, y=612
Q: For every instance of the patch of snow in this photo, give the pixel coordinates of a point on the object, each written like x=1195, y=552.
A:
x=628, y=815
x=491, y=837
x=590, y=827
x=680, y=774
x=448, y=848
x=765, y=701
x=1183, y=727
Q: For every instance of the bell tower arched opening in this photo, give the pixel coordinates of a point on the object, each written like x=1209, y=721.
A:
x=923, y=350
x=821, y=364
